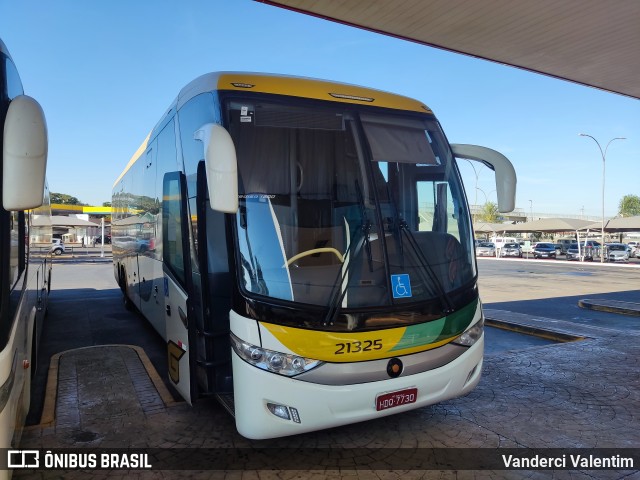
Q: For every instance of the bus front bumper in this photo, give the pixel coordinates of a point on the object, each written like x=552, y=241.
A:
x=315, y=406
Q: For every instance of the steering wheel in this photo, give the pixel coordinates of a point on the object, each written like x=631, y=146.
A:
x=313, y=251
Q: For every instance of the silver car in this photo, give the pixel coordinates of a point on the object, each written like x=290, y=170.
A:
x=617, y=252
x=57, y=247
x=511, y=250
x=486, y=249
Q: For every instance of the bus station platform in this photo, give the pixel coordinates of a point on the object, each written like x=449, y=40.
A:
x=582, y=391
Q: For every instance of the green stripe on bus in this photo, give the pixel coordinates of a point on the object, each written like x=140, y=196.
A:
x=437, y=330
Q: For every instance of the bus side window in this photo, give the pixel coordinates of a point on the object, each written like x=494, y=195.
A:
x=13, y=226
x=14, y=85
x=173, y=240
x=197, y=112
x=17, y=248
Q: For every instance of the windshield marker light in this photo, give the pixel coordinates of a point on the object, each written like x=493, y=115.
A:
x=272, y=361
x=242, y=85
x=351, y=97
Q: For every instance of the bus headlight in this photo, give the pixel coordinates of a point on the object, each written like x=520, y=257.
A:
x=471, y=335
x=272, y=361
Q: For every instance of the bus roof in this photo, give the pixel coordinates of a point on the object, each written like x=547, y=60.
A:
x=297, y=87
x=283, y=85
x=134, y=157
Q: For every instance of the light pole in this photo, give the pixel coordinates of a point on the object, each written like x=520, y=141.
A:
x=604, y=155
x=531, y=208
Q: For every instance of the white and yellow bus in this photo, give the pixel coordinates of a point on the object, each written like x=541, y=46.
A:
x=305, y=248
x=25, y=274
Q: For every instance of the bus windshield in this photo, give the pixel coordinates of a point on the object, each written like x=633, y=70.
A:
x=348, y=208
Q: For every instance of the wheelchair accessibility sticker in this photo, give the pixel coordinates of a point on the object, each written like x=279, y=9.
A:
x=401, y=285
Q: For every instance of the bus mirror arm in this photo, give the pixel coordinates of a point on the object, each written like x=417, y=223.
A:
x=24, y=151
x=221, y=165
x=505, y=173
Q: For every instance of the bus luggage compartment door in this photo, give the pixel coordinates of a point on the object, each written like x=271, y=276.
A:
x=178, y=345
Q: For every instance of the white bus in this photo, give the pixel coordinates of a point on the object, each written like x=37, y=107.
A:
x=25, y=275
x=305, y=249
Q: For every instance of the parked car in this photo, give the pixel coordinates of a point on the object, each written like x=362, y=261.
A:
x=486, y=249
x=57, y=247
x=591, y=249
x=587, y=249
x=511, y=250
x=143, y=244
x=500, y=242
x=573, y=253
x=558, y=247
x=107, y=240
x=544, y=250
x=634, y=248
x=565, y=243
x=617, y=252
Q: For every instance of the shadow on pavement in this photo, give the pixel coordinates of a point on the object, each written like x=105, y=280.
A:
x=568, y=309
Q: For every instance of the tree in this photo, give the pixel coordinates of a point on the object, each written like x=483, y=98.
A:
x=489, y=213
x=106, y=204
x=629, y=206
x=65, y=199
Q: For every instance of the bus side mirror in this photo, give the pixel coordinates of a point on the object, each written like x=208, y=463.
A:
x=222, y=167
x=24, y=154
x=505, y=173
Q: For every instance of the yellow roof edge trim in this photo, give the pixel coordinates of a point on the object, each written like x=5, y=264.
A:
x=97, y=210
x=317, y=89
x=133, y=159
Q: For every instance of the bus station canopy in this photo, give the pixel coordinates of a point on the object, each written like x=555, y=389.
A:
x=621, y=224
x=591, y=42
x=62, y=221
x=485, y=227
x=550, y=225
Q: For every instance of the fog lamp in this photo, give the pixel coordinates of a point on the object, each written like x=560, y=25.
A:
x=279, y=410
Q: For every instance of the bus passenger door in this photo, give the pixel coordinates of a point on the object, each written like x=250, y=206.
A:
x=180, y=325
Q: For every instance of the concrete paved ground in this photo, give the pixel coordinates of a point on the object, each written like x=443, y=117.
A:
x=570, y=395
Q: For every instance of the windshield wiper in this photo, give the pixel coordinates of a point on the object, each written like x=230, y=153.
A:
x=366, y=225
x=338, y=292
x=400, y=225
x=447, y=305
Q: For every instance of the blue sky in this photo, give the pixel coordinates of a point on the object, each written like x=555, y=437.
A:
x=104, y=72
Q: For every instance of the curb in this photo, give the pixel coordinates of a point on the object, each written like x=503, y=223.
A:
x=611, y=306
x=531, y=330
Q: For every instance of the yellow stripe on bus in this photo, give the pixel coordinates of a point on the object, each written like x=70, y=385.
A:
x=340, y=347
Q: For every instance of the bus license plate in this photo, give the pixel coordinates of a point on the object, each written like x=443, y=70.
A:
x=396, y=399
